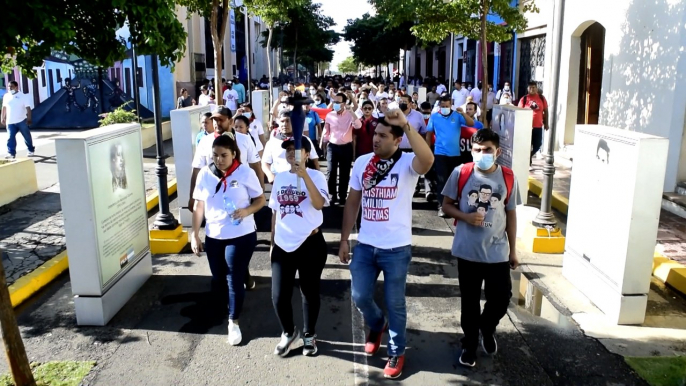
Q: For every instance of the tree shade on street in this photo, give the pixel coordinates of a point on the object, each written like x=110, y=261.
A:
x=87, y=28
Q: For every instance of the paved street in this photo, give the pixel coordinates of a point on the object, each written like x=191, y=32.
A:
x=170, y=334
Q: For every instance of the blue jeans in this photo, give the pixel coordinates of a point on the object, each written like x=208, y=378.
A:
x=229, y=260
x=23, y=128
x=365, y=267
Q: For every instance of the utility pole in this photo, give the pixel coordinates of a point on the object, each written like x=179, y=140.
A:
x=14, y=347
x=248, y=54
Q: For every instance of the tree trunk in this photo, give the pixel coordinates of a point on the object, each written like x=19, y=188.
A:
x=14, y=347
x=218, y=72
x=484, y=61
x=269, y=66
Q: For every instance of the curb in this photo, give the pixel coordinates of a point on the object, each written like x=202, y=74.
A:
x=27, y=285
x=668, y=271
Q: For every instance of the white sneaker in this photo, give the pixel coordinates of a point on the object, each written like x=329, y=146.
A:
x=235, y=335
x=30, y=154
x=9, y=156
x=286, y=342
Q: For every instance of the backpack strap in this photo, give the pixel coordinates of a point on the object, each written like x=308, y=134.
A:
x=462, y=179
x=508, y=175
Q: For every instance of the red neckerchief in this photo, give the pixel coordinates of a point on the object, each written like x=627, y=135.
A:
x=377, y=169
x=223, y=176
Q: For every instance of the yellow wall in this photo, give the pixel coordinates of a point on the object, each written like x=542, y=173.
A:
x=148, y=133
x=18, y=180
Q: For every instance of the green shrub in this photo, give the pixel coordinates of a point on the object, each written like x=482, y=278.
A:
x=119, y=115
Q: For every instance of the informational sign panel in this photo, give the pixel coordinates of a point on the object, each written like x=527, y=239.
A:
x=185, y=125
x=118, y=189
x=513, y=125
x=260, y=107
x=614, y=211
x=102, y=191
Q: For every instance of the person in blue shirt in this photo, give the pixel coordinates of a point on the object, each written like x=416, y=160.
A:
x=240, y=89
x=314, y=127
x=318, y=102
x=447, y=125
x=206, y=127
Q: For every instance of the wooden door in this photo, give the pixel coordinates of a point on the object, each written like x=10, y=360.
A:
x=591, y=74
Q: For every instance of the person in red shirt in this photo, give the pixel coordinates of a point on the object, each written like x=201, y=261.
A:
x=539, y=105
x=364, y=136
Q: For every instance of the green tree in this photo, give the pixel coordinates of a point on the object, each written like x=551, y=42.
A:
x=306, y=34
x=348, y=65
x=434, y=20
x=377, y=40
x=272, y=12
x=87, y=28
x=218, y=13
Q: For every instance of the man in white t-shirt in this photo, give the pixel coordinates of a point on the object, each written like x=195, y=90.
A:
x=383, y=183
x=476, y=94
x=230, y=97
x=223, y=123
x=459, y=95
x=16, y=115
x=274, y=157
x=204, y=98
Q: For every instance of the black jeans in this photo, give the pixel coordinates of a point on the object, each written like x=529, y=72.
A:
x=308, y=260
x=498, y=291
x=444, y=165
x=339, y=158
x=536, y=141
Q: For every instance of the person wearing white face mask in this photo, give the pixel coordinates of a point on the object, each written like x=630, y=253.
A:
x=505, y=89
x=256, y=128
x=484, y=243
x=506, y=99
x=338, y=133
x=447, y=125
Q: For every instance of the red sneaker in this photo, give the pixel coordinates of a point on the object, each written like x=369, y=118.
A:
x=394, y=367
x=373, y=342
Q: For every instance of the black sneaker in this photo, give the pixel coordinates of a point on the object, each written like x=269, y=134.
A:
x=286, y=342
x=249, y=282
x=430, y=197
x=309, y=345
x=468, y=358
x=489, y=344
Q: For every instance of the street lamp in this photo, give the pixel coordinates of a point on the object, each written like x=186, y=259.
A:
x=165, y=219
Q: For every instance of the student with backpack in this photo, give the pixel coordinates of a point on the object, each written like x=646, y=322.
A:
x=482, y=196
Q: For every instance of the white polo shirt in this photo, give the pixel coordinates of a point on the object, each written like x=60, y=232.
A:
x=203, y=152
x=15, y=106
x=256, y=129
x=241, y=186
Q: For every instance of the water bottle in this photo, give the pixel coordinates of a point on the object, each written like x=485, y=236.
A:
x=230, y=207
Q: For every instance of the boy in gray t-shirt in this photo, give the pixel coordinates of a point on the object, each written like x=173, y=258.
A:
x=484, y=242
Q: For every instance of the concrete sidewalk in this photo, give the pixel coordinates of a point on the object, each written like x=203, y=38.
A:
x=32, y=228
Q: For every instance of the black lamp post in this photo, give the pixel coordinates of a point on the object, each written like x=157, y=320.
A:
x=164, y=220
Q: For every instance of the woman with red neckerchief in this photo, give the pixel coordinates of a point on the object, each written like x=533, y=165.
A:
x=227, y=195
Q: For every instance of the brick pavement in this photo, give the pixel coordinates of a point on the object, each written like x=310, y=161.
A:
x=32, y=228
x=671, y=234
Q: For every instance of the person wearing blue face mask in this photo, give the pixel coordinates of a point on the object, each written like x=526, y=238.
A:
x=447, y=124
x=484, y=243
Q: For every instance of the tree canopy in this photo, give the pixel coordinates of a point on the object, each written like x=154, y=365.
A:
x=306, y=33
x=348, y=65
x=434, y=20
x=87, y=28
x=376, y=40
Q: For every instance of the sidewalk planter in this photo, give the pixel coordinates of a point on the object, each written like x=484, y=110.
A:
x=18, y=179
x=148, y=133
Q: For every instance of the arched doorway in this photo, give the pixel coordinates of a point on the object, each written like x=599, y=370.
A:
x=590, y=74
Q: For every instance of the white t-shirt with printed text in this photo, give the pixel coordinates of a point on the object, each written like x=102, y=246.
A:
x=241, y=186
x=387, y=207
x=231, y=99
x=296, y=218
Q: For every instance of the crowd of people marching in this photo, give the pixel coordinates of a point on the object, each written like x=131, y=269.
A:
x=378, y=141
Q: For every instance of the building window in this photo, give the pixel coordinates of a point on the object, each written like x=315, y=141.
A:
x=139, y=77
x=42, y=78
x=59, y=76
x=25, y=84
